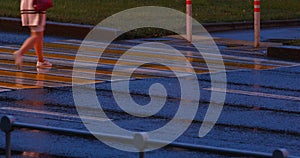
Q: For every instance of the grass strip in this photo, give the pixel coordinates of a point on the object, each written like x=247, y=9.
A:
x=205, y=11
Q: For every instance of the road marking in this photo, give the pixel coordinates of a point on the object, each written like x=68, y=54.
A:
x=168, y=55
x=84, y=60
x=121, y=47
x=63, y=53
x=23, y=74
x=259, y=94
x=91, y=118
x=16, y=85
x=4, y=90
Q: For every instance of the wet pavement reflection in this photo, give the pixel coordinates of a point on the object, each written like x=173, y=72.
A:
x=63, y=53
x=262, y=99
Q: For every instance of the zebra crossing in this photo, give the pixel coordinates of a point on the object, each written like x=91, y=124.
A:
x=63, y=54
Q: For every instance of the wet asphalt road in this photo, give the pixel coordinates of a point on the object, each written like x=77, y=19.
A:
x=261, y=113
x=19, y=38
x=256, y=123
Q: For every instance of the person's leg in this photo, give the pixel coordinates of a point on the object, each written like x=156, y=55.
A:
x=28, y=44
x=39, y=45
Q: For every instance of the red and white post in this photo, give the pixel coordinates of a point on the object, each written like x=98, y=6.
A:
x=189, y=23
x=256, y=23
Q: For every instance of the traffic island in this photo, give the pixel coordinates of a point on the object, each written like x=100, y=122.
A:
x=284, y=52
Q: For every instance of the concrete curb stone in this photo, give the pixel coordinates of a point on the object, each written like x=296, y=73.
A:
x=54, y=28
x=284, y=52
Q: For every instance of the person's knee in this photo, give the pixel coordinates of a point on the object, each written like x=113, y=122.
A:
x=36, y=36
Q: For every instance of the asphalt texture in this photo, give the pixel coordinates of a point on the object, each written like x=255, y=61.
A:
x=261, y=110
x=255, y=123
x=19, y=38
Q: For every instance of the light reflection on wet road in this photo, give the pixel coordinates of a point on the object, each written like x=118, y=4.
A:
x=62, y=55
x=262, y=101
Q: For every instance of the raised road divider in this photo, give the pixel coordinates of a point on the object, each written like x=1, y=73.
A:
x=80, y=31
x=284, y=52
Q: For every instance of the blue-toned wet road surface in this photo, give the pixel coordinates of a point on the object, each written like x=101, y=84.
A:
x=261, y=113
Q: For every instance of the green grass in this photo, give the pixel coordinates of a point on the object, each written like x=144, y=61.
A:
x=205, y=11
x=94, y=11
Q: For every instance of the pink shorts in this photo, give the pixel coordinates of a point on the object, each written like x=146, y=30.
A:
x=39, y=28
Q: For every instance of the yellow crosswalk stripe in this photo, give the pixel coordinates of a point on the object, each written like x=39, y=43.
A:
x=64, y=53
x=112, y=61
x=35, y=76
x=16, y=86
x=194, y=59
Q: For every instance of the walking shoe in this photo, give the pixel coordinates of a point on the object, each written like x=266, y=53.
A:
x=45, y=64
x=43, y=70
x=18, y=59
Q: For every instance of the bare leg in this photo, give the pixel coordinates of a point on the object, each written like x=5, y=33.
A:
x=28, y=44
x=39, y=45
x=35, y=40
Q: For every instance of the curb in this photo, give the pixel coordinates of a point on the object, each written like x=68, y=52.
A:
x=55, y=28
x=228, y=26
x=80, y=31
x=284, y=52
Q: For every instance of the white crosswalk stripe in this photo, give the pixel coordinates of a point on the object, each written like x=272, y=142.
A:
x=63, y=53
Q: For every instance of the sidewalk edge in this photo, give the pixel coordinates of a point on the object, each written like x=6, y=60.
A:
x=80, y=31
